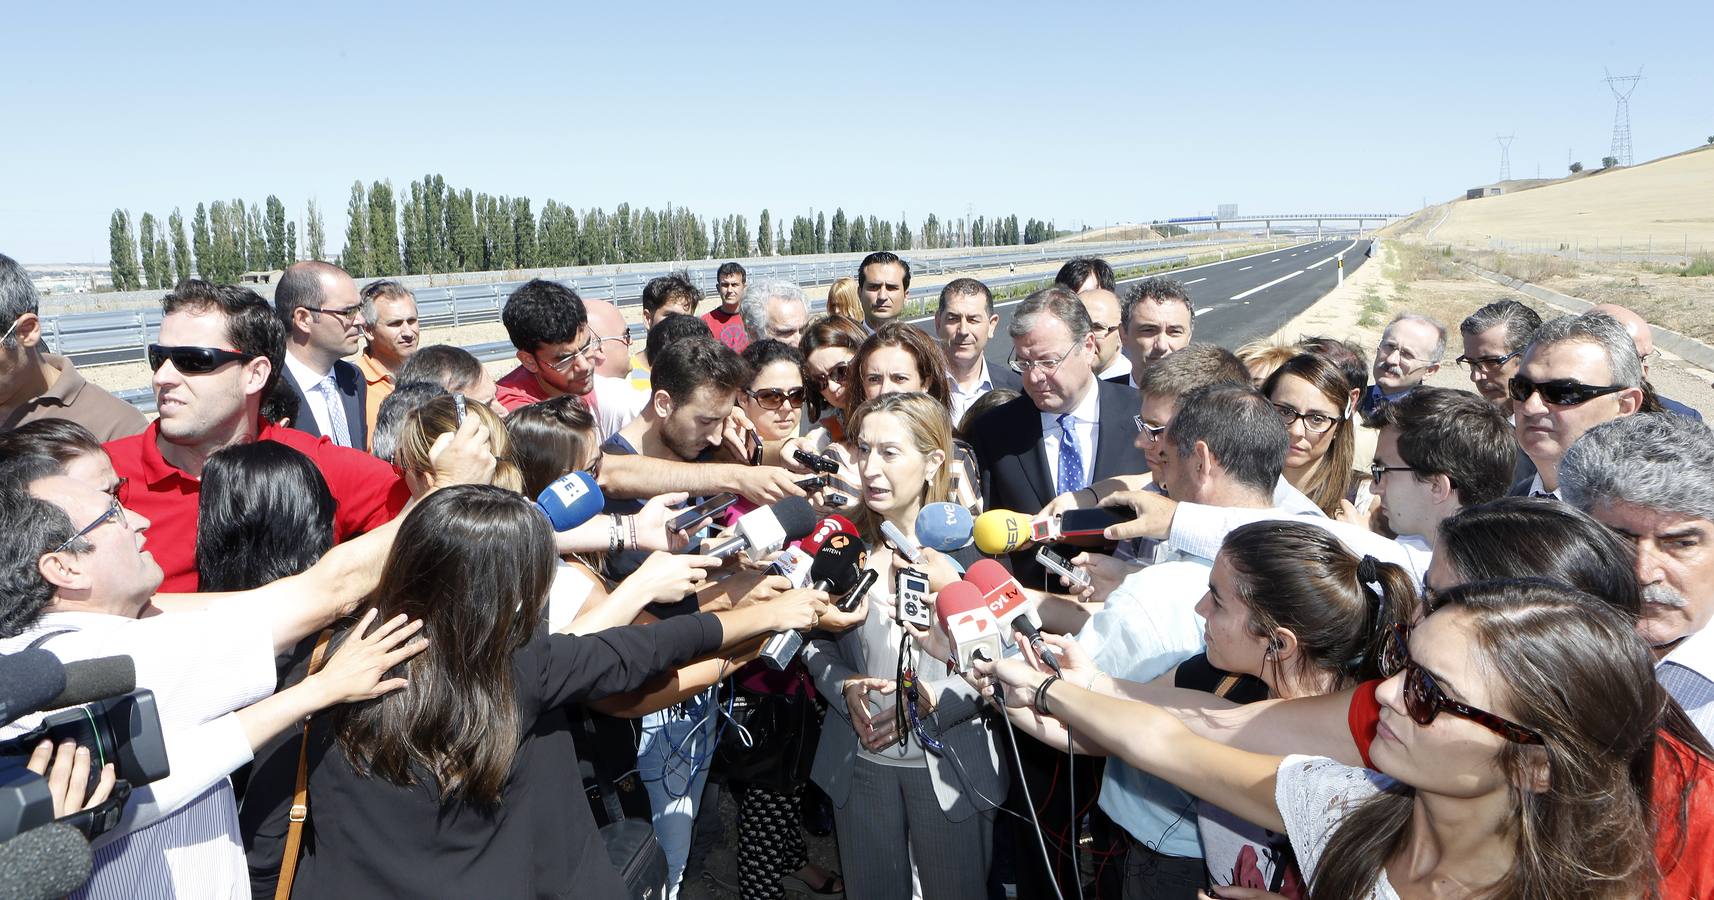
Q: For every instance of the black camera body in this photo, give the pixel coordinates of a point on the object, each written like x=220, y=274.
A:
x=123, y=730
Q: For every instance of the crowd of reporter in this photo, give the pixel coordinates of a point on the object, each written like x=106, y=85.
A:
x=1284, y=622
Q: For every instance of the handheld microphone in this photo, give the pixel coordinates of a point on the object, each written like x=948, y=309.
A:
x=1000, y=531
x=815, y=462
x=1010, y=605
x=795, y=561
x=906, y=547
x=571, y=500
x=944, y=527
x=44, y=863
x=762, y=531
x=834, y=570
x=971, y=628
x=29, y=682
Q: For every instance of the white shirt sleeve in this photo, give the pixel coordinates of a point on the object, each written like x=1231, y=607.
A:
x=1149, y=622
x=616, y=404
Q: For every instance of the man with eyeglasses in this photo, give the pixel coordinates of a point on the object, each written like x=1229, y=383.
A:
x=1104, y=311
x=35, y=384
x=218, y=356
x=1494, y=340
x=323, y=315
x=1410, y=350
x=1577, y=372
x=965, y=322
x=557, y=354
x=1642, y=336
x=1439, y=451
x=607, y=325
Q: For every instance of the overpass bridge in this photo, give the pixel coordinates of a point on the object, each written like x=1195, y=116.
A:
x=1219, y=222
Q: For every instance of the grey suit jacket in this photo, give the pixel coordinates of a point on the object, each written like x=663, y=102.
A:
x=968, y=777
x=353, y=393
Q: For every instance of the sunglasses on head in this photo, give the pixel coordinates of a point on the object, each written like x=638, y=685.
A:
x=772, y=398
x=1558, y=391
x=1424, y=700
x=194, y=360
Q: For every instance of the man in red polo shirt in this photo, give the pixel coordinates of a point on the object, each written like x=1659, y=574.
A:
x=218, y=355
x=724, y=320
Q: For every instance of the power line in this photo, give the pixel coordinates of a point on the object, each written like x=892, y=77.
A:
x=1622, y=87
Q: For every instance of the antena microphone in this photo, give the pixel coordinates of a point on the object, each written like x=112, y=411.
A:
x=1009, y=603
x=835, y=570
x=967, y=623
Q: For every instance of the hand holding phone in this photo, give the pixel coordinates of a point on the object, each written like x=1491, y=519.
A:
x=707, y=509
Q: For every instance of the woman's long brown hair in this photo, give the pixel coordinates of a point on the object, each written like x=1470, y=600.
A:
x=1331, y=478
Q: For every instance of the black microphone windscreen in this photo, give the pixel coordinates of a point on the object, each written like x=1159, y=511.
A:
x=837, y=566
x=796, y=517
x=29, y=681
x=88, y=680
x=42, y=863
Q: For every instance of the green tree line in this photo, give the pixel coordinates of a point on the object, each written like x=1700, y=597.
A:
x=433, y=227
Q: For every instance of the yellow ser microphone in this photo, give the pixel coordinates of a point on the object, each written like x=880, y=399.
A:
x=1000, y=531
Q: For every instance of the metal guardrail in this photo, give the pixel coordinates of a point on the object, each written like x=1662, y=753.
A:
x=143, y=398
x=100, y=338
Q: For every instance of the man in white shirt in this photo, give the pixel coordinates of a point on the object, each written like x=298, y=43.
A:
x=1577, y=372
x=1650, y=477
x=965, y=322
x=323, y=315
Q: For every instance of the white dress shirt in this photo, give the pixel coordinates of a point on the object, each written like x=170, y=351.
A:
x=1119, y=366
x=1200, y=530
x=315, y=402
x=962, y=399
x=1085, y=425
x=1536, y=487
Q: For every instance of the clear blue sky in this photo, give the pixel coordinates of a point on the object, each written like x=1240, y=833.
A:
x=1097, y=113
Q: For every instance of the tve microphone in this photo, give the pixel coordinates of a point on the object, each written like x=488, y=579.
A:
x=762, y=531
x=29, y=681
x=906, y=547
x=571, y=500
x=973, y=631
x=1000, y=531
x=43, y=863
x=89, y=680
x=835, y=570
x=944, y=527
x=1009, y=604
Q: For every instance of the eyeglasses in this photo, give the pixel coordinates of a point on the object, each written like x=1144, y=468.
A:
x=1487, y=362
x=114, y=510
x=1154, y=432
x=1424, y=699
x=1558, y=391
x=623, y=338
x=563, y=364
x=772, y=398
x=349, y=313
x=194, y=360
x=1100, y=330
x=1377, y=471
x=13, y=328
x=1313, y=422
x=837, y=373
x=1047, y=366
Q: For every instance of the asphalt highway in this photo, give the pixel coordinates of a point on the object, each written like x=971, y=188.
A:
x=1239, y=299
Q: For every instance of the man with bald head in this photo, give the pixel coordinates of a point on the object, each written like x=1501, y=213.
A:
x=323, y=315
x=1103, y=307
x=1643, y=337
x=607, y=328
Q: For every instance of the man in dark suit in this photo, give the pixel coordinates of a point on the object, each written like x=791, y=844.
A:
x=1643, y=338
x=1069, y=429
x=965, y=322
x=1155, y=318
x=323, y=315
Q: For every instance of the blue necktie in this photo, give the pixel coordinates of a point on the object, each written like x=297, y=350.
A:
x=1070, y=461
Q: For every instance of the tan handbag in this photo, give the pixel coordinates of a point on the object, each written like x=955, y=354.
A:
x=300, y=793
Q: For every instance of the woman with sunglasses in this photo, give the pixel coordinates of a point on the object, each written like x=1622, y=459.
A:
x=1512, y=759
x=827, y=345
x=1314, y=401
x=774, y=398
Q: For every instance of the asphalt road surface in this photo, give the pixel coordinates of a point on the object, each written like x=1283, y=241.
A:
x=1239, y=299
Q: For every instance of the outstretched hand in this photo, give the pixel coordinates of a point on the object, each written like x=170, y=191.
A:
x=357, y=670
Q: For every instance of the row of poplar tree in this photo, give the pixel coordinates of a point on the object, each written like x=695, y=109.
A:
x=437, y=228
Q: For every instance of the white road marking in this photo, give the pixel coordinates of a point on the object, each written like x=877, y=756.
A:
x=1246, y=268
x=1193, y=281
x=1323, y=262
x=1268, y=285
x=1275, y=259
x=1199, y=312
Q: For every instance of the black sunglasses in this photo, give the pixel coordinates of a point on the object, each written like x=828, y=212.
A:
x=194, y=360
x=1558, y=391
x=836, y=374
x=1424, y=700
x=772, y=398
x=1487, y=362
